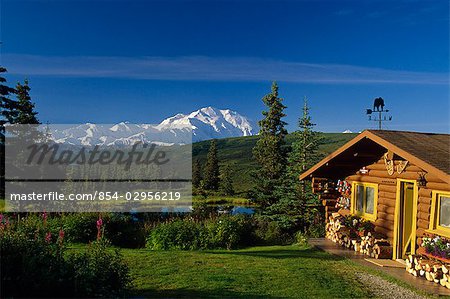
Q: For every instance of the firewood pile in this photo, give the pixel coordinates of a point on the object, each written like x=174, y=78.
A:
x=431, y=270
x=358, y=235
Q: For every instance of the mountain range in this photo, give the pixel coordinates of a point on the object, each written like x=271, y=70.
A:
x=203, y=124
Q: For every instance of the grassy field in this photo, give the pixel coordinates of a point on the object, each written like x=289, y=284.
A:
x=257, y=272
x=237, y=152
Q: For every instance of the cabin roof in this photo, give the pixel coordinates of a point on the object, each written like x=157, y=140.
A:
x=429, y=151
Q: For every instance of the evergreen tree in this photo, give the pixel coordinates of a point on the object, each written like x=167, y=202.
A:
x=196, y=174
x=25, y=107
x=211, y=178
x=269, y=150
x=226, y=181
x=8, y=106
x=292, y=192
x=305, y=147
x=8, y=110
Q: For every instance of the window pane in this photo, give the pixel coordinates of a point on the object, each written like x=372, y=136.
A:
x=370, y=200
x=359, y=197
x=444, y=213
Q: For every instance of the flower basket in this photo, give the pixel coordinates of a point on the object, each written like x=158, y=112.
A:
x=423, y=252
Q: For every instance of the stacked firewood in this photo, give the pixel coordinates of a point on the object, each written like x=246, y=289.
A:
x=367, y=242
x=431, y=270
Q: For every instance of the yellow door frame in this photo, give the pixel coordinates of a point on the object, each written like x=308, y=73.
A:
x=397, y=216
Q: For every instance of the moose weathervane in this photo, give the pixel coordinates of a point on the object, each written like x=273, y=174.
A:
x=378, y=106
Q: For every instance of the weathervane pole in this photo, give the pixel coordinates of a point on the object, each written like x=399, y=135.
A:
x=378, y=106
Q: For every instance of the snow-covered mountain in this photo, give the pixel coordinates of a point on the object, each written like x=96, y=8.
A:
x=209, y=123
x=206, y=123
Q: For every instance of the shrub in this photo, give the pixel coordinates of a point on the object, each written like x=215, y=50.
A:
x=80, y=227
x=99, y=271
x=123, y=231
x=316, y=230
x=269, y=232
x=178, y=234
x=301, y=239
x=32, y=266
x=227, y=232
x=34, y=263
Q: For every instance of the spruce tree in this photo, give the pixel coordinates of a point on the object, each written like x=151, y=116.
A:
x=269, y=150
x=196, y=174
x=8, y=111
x=293, y=193
x=25, y=107
x=226, y=180
x=8, y=106
x=211, y=178
x=305, y=147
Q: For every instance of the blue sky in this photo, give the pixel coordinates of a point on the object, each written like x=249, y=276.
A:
x=142, y=61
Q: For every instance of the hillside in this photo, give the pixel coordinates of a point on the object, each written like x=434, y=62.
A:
x=237, y=152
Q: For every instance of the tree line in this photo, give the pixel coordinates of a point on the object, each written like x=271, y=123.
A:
x=16, y=107
x=211, y=176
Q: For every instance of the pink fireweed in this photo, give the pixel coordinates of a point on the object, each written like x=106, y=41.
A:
x=99, y=228
x=61, y=237
x=44, y=217
x=48, y=237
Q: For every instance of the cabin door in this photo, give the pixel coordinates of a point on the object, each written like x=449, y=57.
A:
x=406, y=213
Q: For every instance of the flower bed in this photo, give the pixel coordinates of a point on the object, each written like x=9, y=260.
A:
x=437, y=247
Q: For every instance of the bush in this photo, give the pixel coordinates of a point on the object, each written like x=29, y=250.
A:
x=269, y=232
x=178, y=234
x=225, y=232
x=32, y=266
x=34, y=263
x=99, y=271
x=316, y=230
x=123, y=231
x=228, y=232
x=80, y=227
x=301, y=239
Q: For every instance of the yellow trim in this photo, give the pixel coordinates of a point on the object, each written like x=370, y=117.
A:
x=434, y=227
x=397, y=216
x=363, y=214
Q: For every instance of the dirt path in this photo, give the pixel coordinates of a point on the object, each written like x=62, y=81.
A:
x=384, y=289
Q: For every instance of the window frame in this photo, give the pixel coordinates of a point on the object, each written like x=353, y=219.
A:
x=363, y=214
x=434, y=226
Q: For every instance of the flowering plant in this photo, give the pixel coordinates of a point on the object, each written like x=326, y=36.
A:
x=437, y=246
x=359, y=224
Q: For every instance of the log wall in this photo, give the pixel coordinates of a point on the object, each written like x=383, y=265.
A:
x=387, y=193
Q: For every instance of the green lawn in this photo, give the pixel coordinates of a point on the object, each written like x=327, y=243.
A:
x=268, y=272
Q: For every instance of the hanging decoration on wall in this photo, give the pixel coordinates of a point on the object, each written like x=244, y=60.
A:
x=389, y=163
x=394, y=166
x=401, y=166
x=345, y=190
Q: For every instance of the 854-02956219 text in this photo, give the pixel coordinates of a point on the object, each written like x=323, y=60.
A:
x=99, y=195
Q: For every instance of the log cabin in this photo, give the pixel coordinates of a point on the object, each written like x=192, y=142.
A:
x=400, y=181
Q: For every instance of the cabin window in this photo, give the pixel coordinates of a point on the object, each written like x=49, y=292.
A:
x=364, y=199
x=440, y=213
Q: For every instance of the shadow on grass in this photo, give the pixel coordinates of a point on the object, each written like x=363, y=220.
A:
x=311, y=253
x=189, y=293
